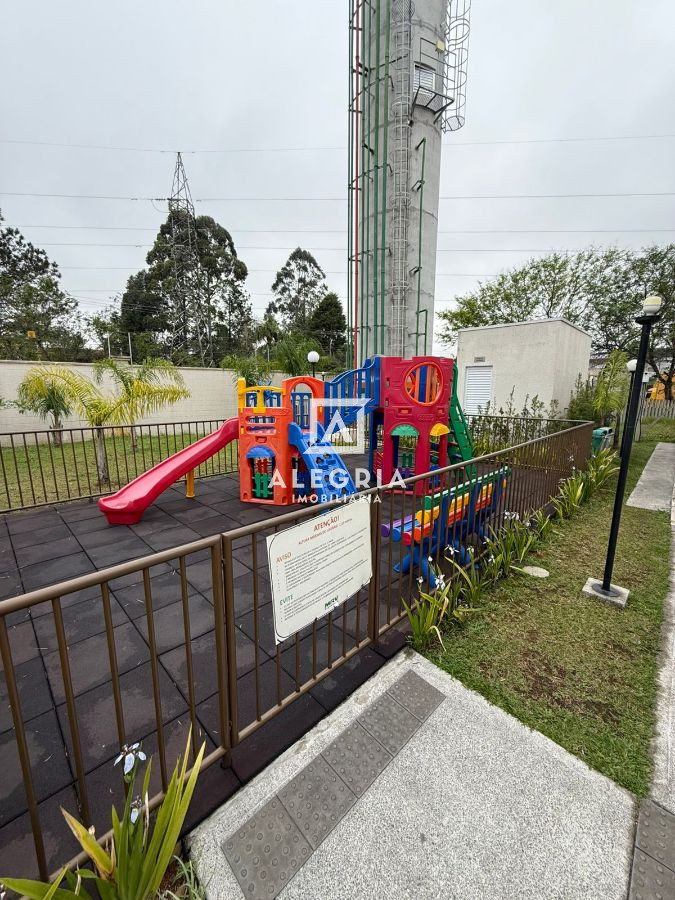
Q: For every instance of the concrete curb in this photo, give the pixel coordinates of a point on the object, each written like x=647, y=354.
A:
x=663, y=745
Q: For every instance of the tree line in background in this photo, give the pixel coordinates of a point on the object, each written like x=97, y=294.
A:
x=189, y=305
x=600, y=290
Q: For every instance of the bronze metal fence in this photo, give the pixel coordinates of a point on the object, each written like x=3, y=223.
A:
x=186, y=636
x=51, y=466
x=490, y=433
x=41, y=467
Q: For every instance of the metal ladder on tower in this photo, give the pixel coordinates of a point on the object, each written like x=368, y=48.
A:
x=400, y=170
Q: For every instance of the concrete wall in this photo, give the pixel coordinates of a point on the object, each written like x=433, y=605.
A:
x=540, y=358
x=212, y=396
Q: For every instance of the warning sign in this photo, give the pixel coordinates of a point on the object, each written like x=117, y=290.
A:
x=317, y=565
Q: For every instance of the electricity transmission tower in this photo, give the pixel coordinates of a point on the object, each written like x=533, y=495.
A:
x=190, y=329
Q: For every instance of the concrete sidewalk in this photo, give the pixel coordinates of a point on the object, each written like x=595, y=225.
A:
x=654, y=489
x=473, y=805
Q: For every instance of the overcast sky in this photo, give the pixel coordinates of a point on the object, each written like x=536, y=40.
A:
x=229, y=74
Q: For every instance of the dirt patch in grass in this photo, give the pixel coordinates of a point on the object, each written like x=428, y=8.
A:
x=578, y=670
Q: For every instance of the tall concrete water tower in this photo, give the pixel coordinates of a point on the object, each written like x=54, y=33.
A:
x=407, y=83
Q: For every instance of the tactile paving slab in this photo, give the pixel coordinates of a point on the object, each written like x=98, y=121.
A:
x=266, y=852
x=656, y=833
x=357, y=758
x=389, y=723
x=650, y=880
x=416, y=695
x=317, y=798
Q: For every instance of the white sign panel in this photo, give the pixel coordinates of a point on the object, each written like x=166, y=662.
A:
x=317, y=565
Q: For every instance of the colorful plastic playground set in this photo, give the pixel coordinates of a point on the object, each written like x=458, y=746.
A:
x=415, y=426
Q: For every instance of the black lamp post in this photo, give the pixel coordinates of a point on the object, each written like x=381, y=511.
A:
x=650, y=315
x=630, y=366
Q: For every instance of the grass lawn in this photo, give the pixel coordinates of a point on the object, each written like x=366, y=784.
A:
x=43, y=473
x=581, y=672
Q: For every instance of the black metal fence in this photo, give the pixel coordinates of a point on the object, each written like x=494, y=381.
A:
x=185, y=636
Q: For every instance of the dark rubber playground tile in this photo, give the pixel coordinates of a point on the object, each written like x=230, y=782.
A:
x=244, y=592
x=118, y=552
x=49, y=767
x=33, y=689
x=136, y=576
x=200, y=575
x=22, y=642
x=335, y=688
x=35, y=553
x=74, y=598
x=154, y=518
x=196, y=514
x=44, y=517
x=271, y=739
x=227, y=507
x=90, y=525
x=7, y=557
x=247, y=514
x=204, y=664
x=89, y=660
x=165, y=588
x=81, y=621
x=171, y=537
x=214, y=786
x=77, y=512
x=169, y=624
x=10, y=584
x=96, y=714
x=17, y=850
x=214, y=525
x=246, y=694
x=106, y=537
x=55, y=532
x=55, y=570
x=302, y=655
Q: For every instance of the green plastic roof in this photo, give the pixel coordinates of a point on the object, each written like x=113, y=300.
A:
x=404, y=431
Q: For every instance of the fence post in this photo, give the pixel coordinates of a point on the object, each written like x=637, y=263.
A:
x=222, y=667
x=374, y=586
x=231, y=640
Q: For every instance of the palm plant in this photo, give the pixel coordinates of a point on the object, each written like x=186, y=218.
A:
x=135, y=396
x=253, y=369
x=611, y=391
x=290, y=354
x=41, y=394
x=154, y=384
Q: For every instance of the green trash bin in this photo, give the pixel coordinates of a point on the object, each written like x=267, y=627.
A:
x=602, y=438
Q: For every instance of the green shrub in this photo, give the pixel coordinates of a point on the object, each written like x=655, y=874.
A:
x=136, y=860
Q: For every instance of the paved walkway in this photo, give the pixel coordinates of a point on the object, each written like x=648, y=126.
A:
x=654, y=489
x=447, y=796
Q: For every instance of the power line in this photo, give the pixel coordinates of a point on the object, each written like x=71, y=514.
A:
x=341, y=199
x=334, y=272
x=344, y=230
x=336, y=148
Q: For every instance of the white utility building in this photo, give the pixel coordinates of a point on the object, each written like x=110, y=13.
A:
x=542, y=358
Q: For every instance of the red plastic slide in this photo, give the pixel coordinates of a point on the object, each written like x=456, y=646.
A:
x=128, y=505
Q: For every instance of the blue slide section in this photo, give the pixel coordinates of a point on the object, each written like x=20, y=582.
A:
x=361, y=385
x=322, y=462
